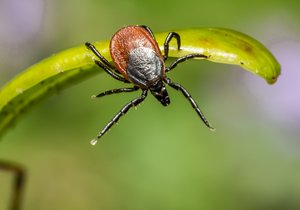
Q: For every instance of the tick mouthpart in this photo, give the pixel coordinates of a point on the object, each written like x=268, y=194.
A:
x=160, y=93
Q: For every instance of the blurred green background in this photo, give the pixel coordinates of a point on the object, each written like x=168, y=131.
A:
x=156, y=157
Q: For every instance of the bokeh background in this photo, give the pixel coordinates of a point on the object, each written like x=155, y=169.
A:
x=156, y=157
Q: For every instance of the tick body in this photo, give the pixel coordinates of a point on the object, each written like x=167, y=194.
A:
x=138, y=60
x=137, y=56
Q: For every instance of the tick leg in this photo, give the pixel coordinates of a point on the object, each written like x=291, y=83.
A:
x=105, y=65
x=149, y=30
x=184, y=58
x=167, y=41
x=98, y=54
x=119, y=90
x=122, y=112
x=18, y=183
x=192, y=101
x=110, y=72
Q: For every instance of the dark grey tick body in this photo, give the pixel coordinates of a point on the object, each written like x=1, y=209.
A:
x=146, y=70
x=139, y=61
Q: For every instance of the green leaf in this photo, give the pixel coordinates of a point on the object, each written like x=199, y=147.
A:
x=76, y=64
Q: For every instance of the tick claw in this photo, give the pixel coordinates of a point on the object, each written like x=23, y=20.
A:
x=94, y=142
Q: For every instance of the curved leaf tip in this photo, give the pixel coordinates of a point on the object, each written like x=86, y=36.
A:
x=232, y=47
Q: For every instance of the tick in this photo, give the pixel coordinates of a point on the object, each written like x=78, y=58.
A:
x=138, y=60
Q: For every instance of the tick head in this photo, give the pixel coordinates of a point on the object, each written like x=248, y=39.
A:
x=160, y=92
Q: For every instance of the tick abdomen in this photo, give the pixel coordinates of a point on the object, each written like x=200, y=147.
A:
x=145, y=67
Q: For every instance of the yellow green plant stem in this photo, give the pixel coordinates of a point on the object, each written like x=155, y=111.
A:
x=76, y=64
